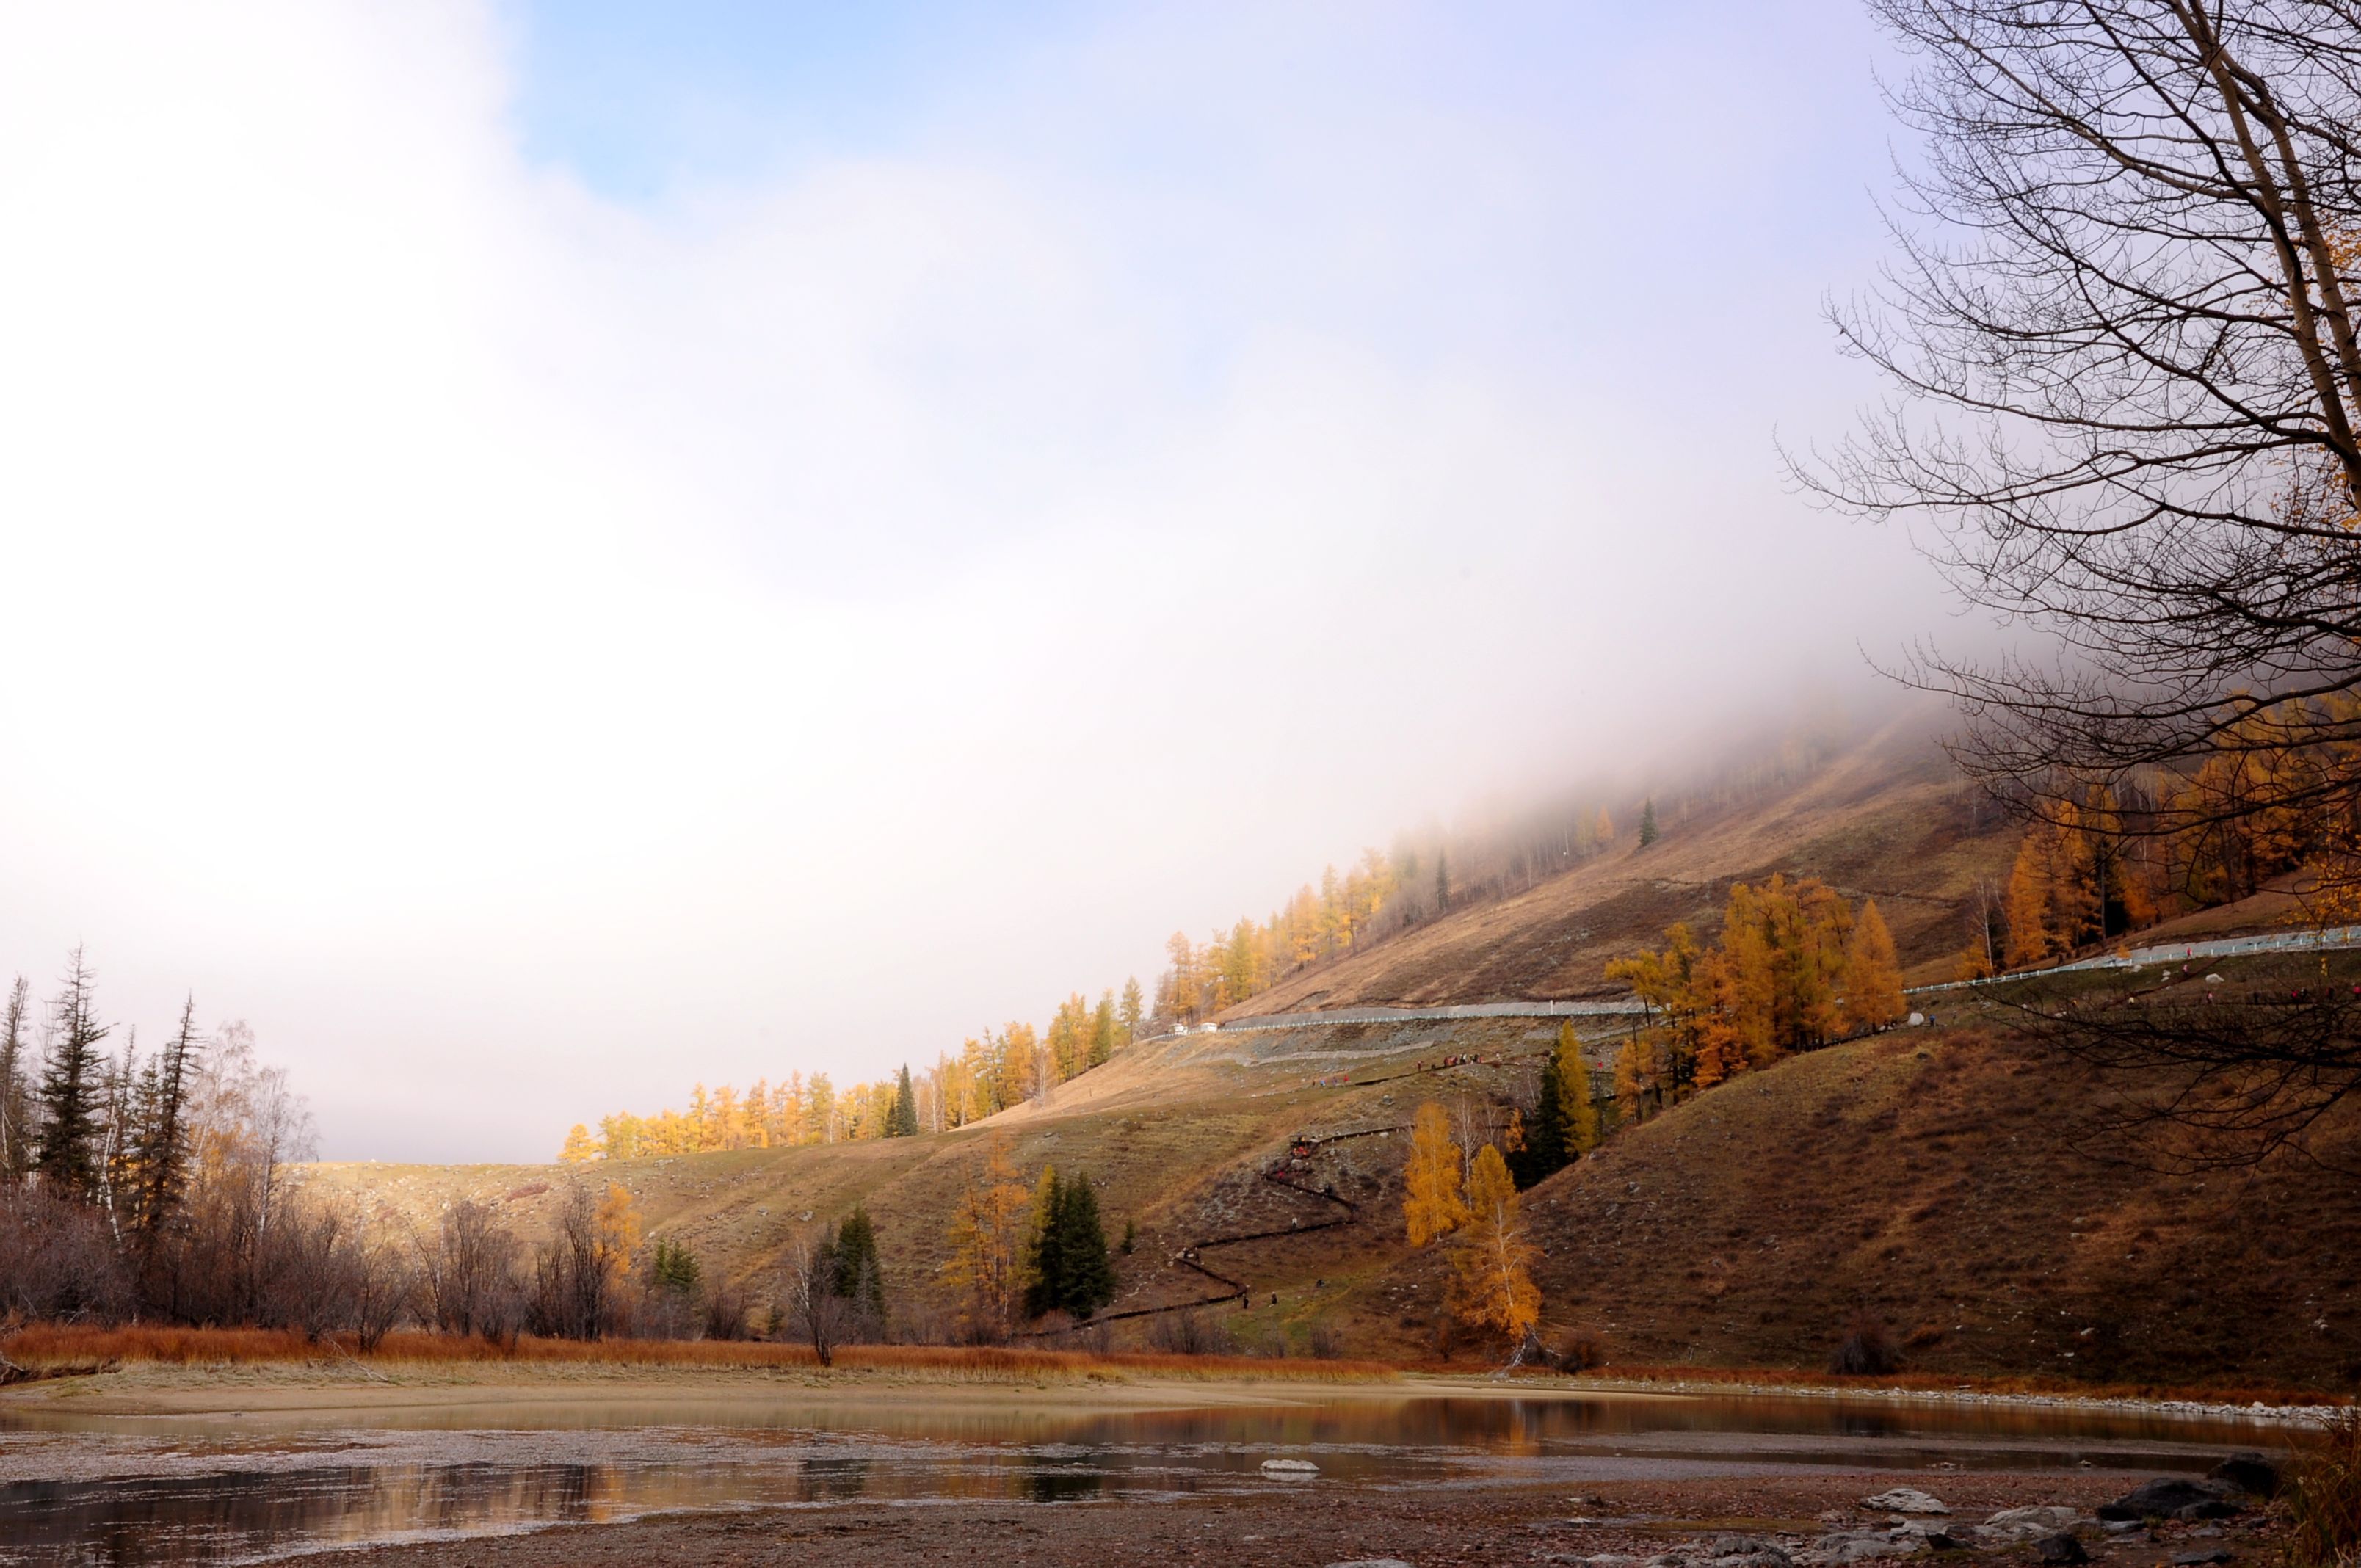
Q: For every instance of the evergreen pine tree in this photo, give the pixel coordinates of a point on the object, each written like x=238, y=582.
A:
x=901, y=1121
x=1648, y=834
x=163, y=1146
x=1442, y=882
x=858, y=1278
x=1544, y=1154
x=1085, y=1276
x=68, y=1152
x=1045, y=1260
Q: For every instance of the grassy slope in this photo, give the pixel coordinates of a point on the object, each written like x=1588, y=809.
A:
x=1177, y=1134
x=1960, y=1186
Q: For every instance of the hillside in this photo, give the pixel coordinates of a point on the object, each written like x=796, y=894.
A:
x=1960, y=1185
x=1885, y=816
x=1945, y=1179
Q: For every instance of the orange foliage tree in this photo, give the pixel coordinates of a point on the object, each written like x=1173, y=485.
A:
x=1491, y=1262
x=1432, y=1204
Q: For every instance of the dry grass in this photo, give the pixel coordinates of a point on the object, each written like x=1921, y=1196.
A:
x=2213, y=1393
x=44, y=1345
x=1960, y=1181
x=2322, y=1500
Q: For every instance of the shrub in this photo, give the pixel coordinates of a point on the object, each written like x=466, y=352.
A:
x=1581, y=1351
x=1324, y=1343
x=2323, y=1498
x=728, y=1311
x=57, y=1260
x=1867, y=1348
x=1191, y=1332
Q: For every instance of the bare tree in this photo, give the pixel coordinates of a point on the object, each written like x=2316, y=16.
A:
x=813, y=1311
x=16, y=1097
x=2126, y=367
x=468, y=1275
x=578, y=1272
x=2122, y=335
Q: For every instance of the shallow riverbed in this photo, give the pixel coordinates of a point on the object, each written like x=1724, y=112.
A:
x=223, y=1486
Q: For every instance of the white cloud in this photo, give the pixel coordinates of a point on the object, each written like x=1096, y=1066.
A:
x=493, y=636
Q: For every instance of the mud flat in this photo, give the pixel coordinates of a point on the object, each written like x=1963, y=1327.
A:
x=1697, y=1523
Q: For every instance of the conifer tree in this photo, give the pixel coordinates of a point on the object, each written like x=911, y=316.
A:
x=901, y=1122
x=579, y=1145
x=1085, y=1280
x=1648, y=834
x=162, y=1153
x=1131, y=1010
x=675, y=1268
x=1432, y=1205
x=859, y=1279
x=1045, y=1258
x=67, y=1156
x=1542, y=1153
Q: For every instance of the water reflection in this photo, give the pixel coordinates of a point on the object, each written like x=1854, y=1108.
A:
x=89, y=1492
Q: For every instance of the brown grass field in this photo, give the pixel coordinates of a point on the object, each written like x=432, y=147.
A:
x=65, y=1350
x=46, y=1345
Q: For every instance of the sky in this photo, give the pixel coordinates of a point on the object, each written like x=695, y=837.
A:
x=553, y=552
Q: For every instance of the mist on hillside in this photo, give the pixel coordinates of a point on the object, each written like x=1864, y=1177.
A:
x=485, y=626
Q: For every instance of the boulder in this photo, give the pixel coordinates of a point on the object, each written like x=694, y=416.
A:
x=1905, y=1500
x=2172, y=1498
x=2029, y=1524
x=2060, y=1551
x=1289, y=1467
x=2250, y=1473
x=1839, y=1547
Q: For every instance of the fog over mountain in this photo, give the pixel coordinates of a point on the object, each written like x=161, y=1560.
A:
x=538, y=566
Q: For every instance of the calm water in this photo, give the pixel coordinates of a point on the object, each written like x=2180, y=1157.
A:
x=219, y=1490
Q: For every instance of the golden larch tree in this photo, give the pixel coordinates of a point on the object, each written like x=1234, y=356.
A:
x=987, y=1235
x=1491, y=1263
x=1872, y=976
x=1432, y=1204
x=1578, y=1113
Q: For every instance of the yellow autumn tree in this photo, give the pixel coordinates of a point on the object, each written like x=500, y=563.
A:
x=1872, y=975
x=987, y=1237
x=617, y=1232
x=1578, y=1114
x=1432, y=1204
x=579, y=1146
x=1491, y=1263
